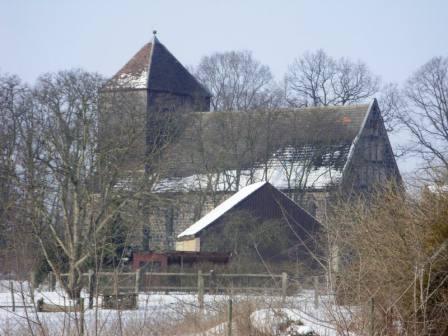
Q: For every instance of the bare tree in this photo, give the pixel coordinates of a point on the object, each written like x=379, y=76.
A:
x=66, y=123
x=237, y=81
x=318, y=79
x=82, y=184
x=9, y=87
x=15, y=237
x=392, y=102
x=426, y=115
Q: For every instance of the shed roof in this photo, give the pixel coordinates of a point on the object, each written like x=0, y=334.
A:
x=251, y=195
x=221, y=209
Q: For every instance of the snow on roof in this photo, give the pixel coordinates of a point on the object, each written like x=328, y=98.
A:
x=282, y=175
x=221, y=209
x=136, y=81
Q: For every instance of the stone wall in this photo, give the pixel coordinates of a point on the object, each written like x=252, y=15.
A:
x=126, y=115
x=122, y=120
x=166, y=101
x=175, y=213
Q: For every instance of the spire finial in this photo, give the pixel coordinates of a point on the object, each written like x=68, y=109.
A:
x=154, y=36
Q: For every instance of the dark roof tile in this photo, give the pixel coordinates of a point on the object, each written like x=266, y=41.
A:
x=153, y=67
x=320, y=135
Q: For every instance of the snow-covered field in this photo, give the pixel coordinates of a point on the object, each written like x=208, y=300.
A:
x=152, y=309
x=296, y=316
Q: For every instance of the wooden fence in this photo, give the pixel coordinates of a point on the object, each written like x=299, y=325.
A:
x=200, y=283
x=124, y=286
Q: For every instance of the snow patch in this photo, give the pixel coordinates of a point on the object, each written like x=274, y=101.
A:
x=286, y=321
x=132, y=80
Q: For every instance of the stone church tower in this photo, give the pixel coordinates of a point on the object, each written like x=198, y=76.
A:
x=144, y=94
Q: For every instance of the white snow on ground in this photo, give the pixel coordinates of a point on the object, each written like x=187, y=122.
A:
x=301, y=317
x=152, y=308
x=5, y=286
x=285, y=321
x=155, y=309
x=217, y=330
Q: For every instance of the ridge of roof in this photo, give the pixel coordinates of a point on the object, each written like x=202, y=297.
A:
x=332, y=108
x=222, y=209
x=155, y=41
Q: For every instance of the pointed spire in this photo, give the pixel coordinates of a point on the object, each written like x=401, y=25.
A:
x=154, y=37
x=155, y=68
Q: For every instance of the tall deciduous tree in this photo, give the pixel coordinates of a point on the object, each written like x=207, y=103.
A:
x=9, y=120
x=237, y=81
x=73, y=214
x=14, y=98
x=85, y=182
x=426, y=115
x=392, y=102
x=81, y=183
x=318, y=79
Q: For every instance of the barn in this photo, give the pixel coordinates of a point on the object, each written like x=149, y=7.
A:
x=258, y=221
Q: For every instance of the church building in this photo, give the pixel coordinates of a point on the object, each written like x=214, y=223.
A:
x=311, y=155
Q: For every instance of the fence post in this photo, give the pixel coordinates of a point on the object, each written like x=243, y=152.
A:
x=51, y=281
x=138, y=280
x=284, y=285
x=372, y=317
x=212, y=282
x=200, y=289
x=91, y=286
x=316, y=292
x=32, y=284
x=115, y=283
x=33, y=280
x=81, y=316
x=11, y=286
x=229, y=327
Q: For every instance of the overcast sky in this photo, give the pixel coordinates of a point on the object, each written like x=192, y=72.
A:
x=394, y=37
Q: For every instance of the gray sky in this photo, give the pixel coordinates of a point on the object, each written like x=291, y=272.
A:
x=394, y=37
